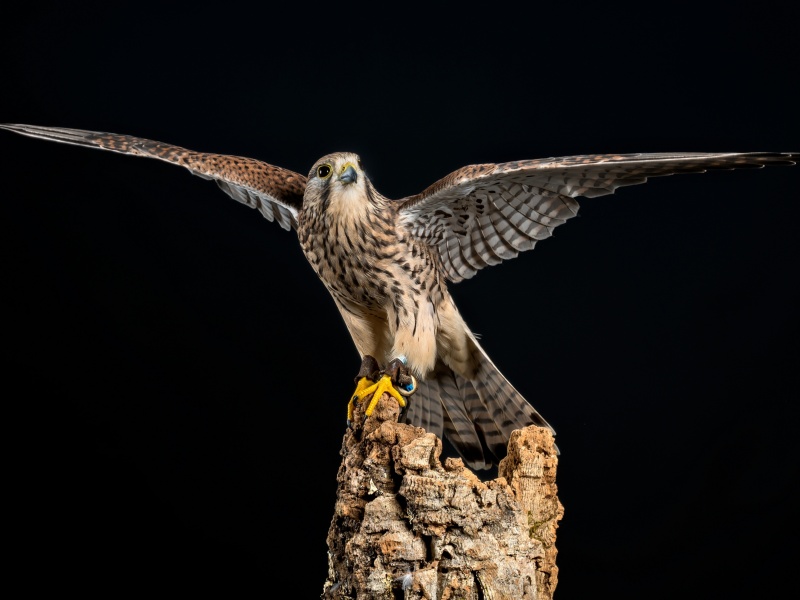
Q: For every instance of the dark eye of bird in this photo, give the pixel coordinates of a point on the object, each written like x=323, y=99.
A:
x=323, y=171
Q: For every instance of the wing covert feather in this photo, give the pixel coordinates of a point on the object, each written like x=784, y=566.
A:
x=480, y=215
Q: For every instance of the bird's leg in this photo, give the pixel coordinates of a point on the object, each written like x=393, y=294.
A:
x=396, y=374
x=367, y=375
x=401, y=378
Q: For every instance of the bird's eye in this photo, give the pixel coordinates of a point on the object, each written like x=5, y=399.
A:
x=324, y=171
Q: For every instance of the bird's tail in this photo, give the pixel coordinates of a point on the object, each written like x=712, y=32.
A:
x=476, y=415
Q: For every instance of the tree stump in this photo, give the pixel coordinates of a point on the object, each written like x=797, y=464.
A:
x=406, y=526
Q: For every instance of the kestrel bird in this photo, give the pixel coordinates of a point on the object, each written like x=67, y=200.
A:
x=387, y=263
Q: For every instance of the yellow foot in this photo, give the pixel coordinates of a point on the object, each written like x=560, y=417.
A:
x=366, y=387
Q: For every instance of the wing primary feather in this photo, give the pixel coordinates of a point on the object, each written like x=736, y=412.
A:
x=244, y=179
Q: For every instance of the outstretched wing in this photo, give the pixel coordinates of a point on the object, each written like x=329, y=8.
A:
x=277, y=193
x=480, y=215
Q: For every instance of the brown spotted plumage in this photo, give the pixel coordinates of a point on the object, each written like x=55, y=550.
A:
x=387, y=263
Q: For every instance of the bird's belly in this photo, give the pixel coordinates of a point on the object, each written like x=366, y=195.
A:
x=388, y=297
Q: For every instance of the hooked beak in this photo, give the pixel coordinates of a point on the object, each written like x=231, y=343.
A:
x=349, y=174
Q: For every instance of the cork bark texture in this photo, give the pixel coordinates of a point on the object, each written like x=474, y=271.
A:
x=407, y=526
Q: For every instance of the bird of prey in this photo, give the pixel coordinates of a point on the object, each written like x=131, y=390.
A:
x=387, y=263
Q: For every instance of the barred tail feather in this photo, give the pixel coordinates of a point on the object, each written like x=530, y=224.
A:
x=425, y=408
x=491, y=437
x=438, y=407
x=503, y=398
x=476, y=415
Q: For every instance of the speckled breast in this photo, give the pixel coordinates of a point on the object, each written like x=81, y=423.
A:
x=370, y=266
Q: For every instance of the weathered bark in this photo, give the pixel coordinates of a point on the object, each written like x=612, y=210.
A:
x=406, y=526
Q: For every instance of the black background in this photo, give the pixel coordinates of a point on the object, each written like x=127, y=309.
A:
x=163, y=341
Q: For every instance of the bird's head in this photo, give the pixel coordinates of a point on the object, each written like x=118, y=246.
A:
x=337, y=183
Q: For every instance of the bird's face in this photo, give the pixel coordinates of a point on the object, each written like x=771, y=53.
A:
x=337, y=185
